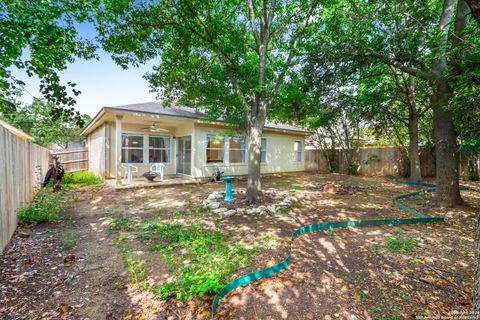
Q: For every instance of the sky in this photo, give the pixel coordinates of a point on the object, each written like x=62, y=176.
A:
x=102, y=82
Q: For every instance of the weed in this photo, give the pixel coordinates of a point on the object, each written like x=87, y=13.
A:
x=397, y=230
x=135, y=265
x=176, y=214
x=373, y=309
x=118, y=285
x=81, y=179
x=403, y=244
x=394, y=317
x=397, y=292
x=121, y=223
x=68, y=239
x=330, y=232
x=282, y=211
x=298, y=187
x=361, y=294
x=46, y=206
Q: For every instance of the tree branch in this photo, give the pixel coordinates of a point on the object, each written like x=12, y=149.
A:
x=407, y=69
x=222, y=56
x=251, y=16
x=293, y=48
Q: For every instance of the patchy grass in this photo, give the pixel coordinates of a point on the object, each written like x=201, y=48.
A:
x=81, y=179
x=401, y=244
x=135, y=265
x=46, y=206
x=121, y=223
x=201, y=260
x=68, y=239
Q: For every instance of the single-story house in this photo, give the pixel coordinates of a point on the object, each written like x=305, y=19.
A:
x=179, y=137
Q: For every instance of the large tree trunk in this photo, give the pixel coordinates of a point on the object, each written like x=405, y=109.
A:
x=413, y=116
x=254, y=135
x=413, y=152
x=446, y=150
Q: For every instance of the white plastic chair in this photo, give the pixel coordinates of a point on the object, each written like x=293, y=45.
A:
x=158, y=168
x=129, y=170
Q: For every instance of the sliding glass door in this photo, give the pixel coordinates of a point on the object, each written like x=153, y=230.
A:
x=184, y=155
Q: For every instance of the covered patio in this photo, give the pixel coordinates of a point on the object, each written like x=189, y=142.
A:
x=141, y=182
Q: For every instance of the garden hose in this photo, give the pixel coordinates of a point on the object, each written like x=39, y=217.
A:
x=420, y=218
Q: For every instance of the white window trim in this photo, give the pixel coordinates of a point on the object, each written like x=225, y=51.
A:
x=295, y=152
x=138, y=134
x=169, y=149
x=216, y=135
x=244, y=151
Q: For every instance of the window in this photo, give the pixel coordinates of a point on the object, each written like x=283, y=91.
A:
x=158, y=149
x=297, y=149
x=263, y=151
x=237, y=149
x=215, y=149
x=132, y=148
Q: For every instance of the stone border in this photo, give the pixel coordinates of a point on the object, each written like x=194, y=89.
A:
x=214, y=201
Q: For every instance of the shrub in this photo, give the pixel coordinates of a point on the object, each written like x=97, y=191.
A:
x=81, y=178
x=352, y=168
x=403, y=245
x=46, y=206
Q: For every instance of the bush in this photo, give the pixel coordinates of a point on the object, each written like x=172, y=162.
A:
x=81, y=178
x=352, y=168
x=46, y=206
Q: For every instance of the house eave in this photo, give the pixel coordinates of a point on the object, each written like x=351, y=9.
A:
x=91, y=125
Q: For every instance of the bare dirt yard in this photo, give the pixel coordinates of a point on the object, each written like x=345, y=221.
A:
x=156, y=253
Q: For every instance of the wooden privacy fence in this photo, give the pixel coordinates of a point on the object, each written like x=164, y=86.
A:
x=22, y=167
x=73, y=160
x=375, y=161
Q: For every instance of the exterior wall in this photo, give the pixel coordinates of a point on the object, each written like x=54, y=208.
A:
x=96, y=143
x=170, y=167
x=279, y=154
x=22, y=167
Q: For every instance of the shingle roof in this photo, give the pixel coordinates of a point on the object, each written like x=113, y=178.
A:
x=187, y=112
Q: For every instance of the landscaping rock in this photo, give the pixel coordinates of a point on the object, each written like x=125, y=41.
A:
x=219, y=210
x=213, y=205
x=262, y=209
x=229, y=213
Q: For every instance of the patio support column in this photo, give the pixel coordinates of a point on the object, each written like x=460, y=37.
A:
x=118, y=149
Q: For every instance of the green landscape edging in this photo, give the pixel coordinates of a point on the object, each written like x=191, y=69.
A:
x=246, y=279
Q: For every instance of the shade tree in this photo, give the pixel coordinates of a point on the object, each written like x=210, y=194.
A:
x=234, y=59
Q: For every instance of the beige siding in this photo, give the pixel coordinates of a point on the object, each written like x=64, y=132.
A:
x=279, y=154
x=96, y=143
x=22, y=167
